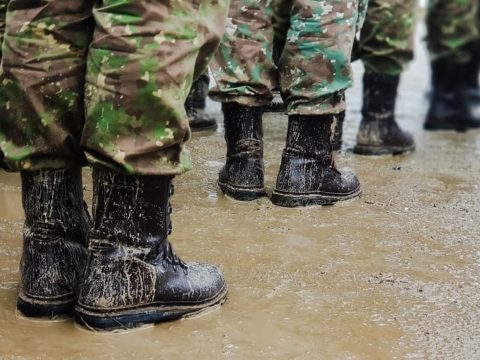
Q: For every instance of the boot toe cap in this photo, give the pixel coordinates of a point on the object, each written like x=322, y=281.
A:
x=205, y=281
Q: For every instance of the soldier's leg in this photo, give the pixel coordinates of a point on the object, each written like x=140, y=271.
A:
x=243, y=68
x=245, y=74
x=315, y=71
x=139, y=74
x=385, y=47
x=41, y=104
x=142, y=61
x=452, y=26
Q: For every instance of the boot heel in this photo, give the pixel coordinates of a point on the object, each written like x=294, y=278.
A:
x=242, y=194
x=48, y=309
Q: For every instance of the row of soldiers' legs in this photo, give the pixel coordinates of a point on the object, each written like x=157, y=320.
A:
x=312, y=71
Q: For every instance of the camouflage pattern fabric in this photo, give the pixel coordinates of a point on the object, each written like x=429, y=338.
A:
x=452, y=26
x=142, y=59
x=386, y=39
x=314, y=67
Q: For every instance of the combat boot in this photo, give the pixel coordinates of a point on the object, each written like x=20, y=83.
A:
x=308, y=175
x=195, y=106
x=449, y=109
x=133, y=275
x=242, y=177
x=379, y=133
x=54, y=242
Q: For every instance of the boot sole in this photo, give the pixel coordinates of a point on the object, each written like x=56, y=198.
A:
x=382, y=150
x=34, y=308
x=297, y=200
x=126, y=319
x=242, y=194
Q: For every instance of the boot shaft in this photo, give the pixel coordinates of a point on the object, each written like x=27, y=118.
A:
x=131, y=211
x=448, y=78
x=199, y=92
x=53, y=202
x=310, y=135
x=379, y=96
x=243, y=129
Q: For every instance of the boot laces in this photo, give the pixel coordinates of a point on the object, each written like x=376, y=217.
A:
x=170, y=258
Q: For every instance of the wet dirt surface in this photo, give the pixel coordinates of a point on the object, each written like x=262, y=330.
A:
x=393, y=274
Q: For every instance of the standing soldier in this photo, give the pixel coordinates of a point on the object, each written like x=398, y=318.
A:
x=142, y=59
x=452, y=28
x=385, y=47
x=313, y=72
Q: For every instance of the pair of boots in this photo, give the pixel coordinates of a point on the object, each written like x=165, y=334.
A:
x=379, y=133
x=118, y=272
x=195, y=106
x=453, y=85
x=307, y=176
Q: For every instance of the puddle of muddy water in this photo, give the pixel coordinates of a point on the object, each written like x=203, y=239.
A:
x=393, y=274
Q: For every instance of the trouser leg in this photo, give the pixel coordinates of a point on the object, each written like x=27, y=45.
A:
x=315, y=64
x=386, y=39
x=243, y=68
x=140, y=70
x=43, y=69
x=451, y=27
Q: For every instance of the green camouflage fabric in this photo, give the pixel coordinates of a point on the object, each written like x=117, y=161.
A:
x=122, y=105
x=452, y=26
x=386, y=39
x=314, y=67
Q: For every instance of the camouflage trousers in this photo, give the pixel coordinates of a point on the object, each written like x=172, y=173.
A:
x=386, y=39
x=452, y=27
x=103, y=80
x=314, y=67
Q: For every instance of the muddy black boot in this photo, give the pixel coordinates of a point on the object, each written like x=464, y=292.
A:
x=449, y=109
x=242, y=177
x=195, y=106
x=337, y=131
x=54, y=242
x=379, y=133
x=308, y=175
x=133, y=276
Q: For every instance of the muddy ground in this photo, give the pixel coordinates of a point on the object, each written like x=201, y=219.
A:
x=391, y=275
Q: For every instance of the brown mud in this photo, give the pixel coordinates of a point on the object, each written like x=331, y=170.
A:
x=391, y=275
